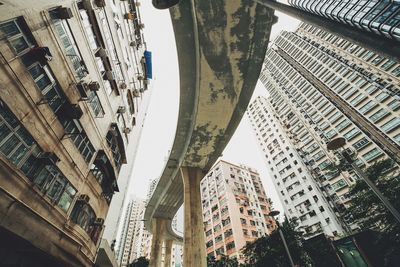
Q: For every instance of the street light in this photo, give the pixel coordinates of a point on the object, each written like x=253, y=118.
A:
x=274, y=213
x=338, y=144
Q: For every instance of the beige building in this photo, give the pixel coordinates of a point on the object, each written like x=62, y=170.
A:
x=235, y=209
x=72, y=102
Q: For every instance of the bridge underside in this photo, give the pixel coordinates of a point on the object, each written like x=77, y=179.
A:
x=221, y=47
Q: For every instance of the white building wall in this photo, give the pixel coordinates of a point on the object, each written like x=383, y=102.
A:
x=299, y=193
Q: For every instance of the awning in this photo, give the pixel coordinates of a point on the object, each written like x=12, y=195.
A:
x=147, y=57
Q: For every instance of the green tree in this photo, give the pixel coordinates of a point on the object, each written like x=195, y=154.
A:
x=140, y=262
x=369, y=212
x=269, y=250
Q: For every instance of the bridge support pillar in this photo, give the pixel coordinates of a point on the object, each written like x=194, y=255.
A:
x=194, y=249
x=168, y=253
x=159, y=228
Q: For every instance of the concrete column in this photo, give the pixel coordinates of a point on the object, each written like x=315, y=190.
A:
x=168, y=253
x=194, y=247
x=159, y=227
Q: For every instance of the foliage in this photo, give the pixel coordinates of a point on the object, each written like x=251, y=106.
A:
x=140, y=262
x=270, y=251
x=370, y=213
x=224, y=261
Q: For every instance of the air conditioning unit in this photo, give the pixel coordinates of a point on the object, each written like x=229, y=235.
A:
x=127, y=130
x=49, y=157
x=41, y=54
x=101, y=52
x=141, y=26
x=123, y=86
x=137, y=4
x=64, y=13
x=71, y=111
x=136, y=93
x=84, y=198
x=93, y=86
x=121, y=109
x=140, y=77
x=133, y=43
x=141, y=90
x=146, y=81
x=99, y=221
x=129, y=16
x=82, y=87
x=100, y=3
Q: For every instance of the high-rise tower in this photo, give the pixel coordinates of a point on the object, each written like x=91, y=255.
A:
x=321, y=87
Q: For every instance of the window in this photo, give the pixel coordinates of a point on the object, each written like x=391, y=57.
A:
x=395, y=104
x=351, y=134
x=104, y=173
x=361, y=143
x=368, y=106
x=130, y=102
x=13, y=31
x=115, y=143
x=339, y=184
x=19, y=147
x=75, y=131
x=245, y=232
x=391, y=125
x=70, y=48
x=378, y=115
x=208, y=233
x=228, y=233
x=226, y=222
x=95, y=104
x=372, y=154
x=230, y=245
x=343, y=124
x=218, y=239
x=34, y=60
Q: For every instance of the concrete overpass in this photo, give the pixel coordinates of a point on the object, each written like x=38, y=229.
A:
x=221, y=46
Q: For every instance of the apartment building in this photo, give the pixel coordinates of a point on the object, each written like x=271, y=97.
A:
x=322, y=87
x=235, y=209
x=131, y=230
x=380, y=17
x=301, y=196
x=72, y=102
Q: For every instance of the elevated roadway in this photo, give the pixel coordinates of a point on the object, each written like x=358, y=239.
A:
x=221, y=47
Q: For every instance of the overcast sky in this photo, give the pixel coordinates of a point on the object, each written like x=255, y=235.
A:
x=160, y=124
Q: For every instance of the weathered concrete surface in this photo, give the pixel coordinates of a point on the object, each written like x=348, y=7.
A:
x=168, y=252
x=221, y=47
x=158, y=231
x=194, y=249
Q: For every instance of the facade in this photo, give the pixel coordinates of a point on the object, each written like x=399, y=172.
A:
x=72, y=102
x=235, y=209
x=322, y=87
x=134, y=240
x=129, y=239
x=379, y=17
x=298, y=191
